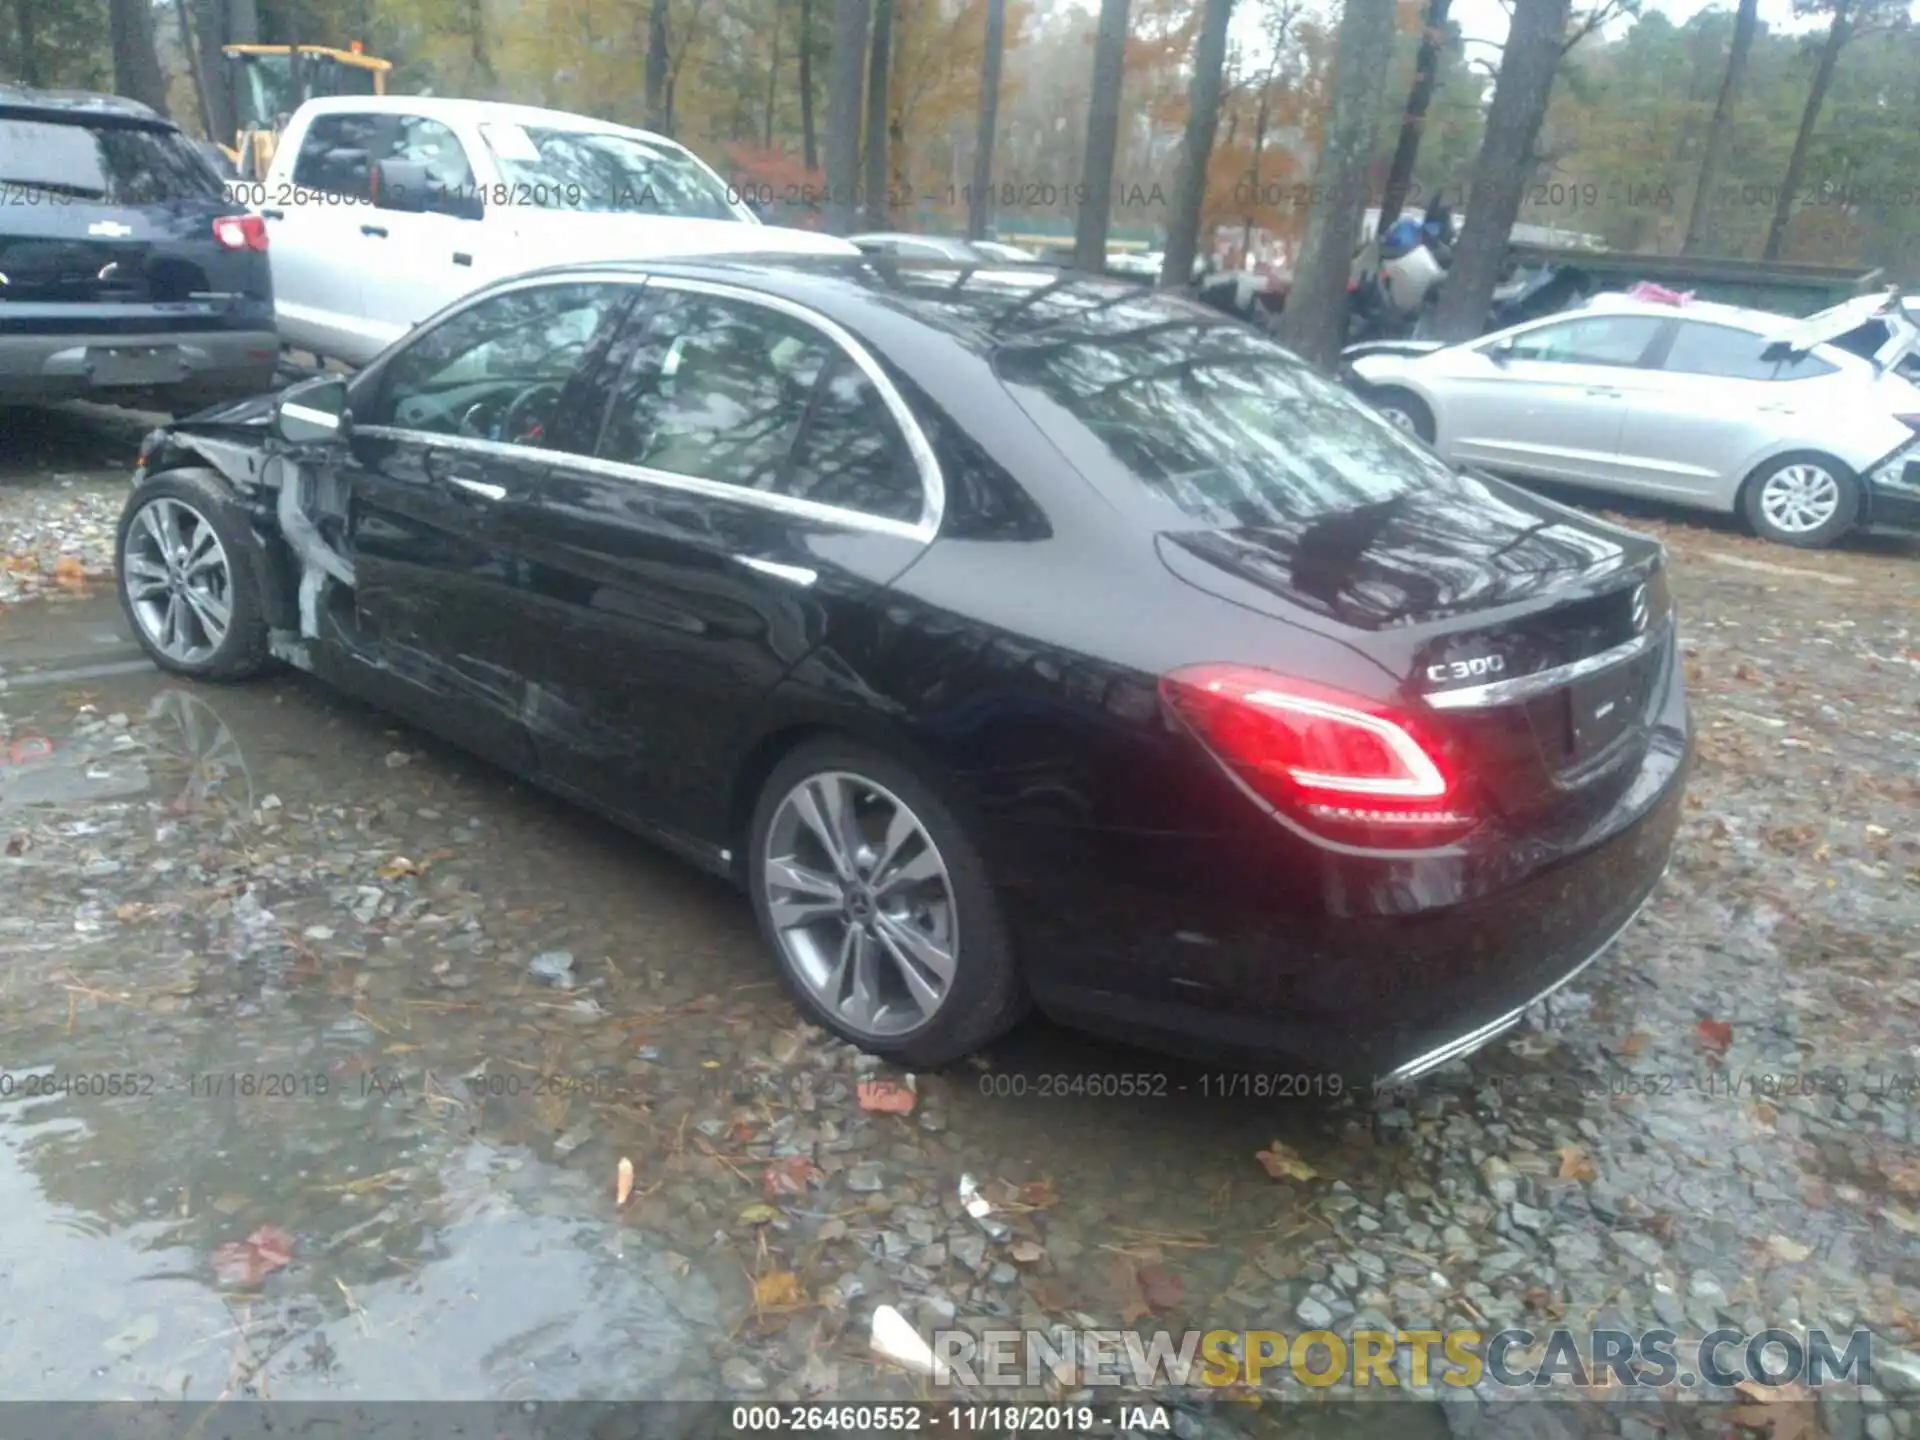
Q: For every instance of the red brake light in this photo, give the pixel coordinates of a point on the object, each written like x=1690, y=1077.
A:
x=241, y=232
x=1346, y=766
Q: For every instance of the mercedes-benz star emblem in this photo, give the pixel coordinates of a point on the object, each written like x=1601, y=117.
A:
x=1640, y=610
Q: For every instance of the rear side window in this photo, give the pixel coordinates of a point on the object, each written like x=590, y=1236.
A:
x=115, y=164
x=1215, y=421
x=1735, y=355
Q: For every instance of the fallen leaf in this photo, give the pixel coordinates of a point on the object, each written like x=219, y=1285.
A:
x=1633, y=1044
x=623, y=1181
x=1784, y=1248
x=1904, y=1179
x=788, y=1175
x=1715, y=1034
x=1785, y=1411
x=1160, y=1286
x=1901, y=1218
x=1574, y=1164
x=249, y=1261
x=1039, y=1195
x=758, y=1215
x=777, y=1290
x=1053, y=1296
x=396, y=867
x=1026, y=1252
x=1282, y=1163
x=68, y=570
x=885, y=1097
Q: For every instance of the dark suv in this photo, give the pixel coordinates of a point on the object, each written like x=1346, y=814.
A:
x=127, y=274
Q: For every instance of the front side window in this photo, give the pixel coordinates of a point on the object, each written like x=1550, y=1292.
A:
x=1732, y=354
x=496, y=370
x=119, y=164
x=1214, y=420
x=607, y=171
x=1591, y=340
x=337, y=154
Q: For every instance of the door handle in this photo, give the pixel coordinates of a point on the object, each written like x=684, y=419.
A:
x=273, y=214
x=376, y=230
x=461, y=257
x=793, y=574
x=484, y=489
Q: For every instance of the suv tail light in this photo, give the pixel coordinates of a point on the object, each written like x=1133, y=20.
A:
x=1344, y=766
x=241, y=232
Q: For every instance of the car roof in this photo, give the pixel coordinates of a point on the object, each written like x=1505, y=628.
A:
x=66, y=104
x=453, y=109
x=979, y=307
x=1760, y=322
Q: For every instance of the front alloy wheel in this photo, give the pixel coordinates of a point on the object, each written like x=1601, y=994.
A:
x=178, y=580
x=877, y=905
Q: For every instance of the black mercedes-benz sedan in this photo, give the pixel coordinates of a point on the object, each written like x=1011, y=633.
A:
x=1010, y=636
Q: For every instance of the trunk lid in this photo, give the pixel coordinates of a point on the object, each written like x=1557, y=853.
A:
x=1539, y=639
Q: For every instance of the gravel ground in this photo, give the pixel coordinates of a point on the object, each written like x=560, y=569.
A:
x=1718, y=1129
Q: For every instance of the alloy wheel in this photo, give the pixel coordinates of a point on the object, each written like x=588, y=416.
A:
x=1400, y=420
x=178, y=580
x=861, y=903
x=1800, y=498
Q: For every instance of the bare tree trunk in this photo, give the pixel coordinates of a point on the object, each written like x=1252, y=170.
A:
x=192, y=52
x=136, y=65
x=876, y=150
x=979, y=196
x=1203, y=119
x=1505, y=165
x=843, y=112
x=654, y=83
x=773, y=79
x=1315, y=320
x=1103, y=137
x=477, y=44
x=1426, y=68
x=1838, y=33
x=1745, y=21
x=23, y=23
x=1253, y=170
x=809, y=150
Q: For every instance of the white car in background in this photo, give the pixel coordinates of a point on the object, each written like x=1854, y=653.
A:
x=1806, y=427
x=381, y=210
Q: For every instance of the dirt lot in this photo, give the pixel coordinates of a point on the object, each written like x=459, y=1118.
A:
x=386, y=1024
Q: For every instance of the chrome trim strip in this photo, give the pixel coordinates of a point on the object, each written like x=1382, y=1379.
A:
x=1524, y=687
x=933, y=492
x=309, y=414
x=1475, y=1039
x=798, y=574
x=480, y=488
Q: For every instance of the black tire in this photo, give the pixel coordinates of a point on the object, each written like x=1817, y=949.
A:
x=242, y=652
x=987, y=997
x=1846, y=510
x=1388, y=398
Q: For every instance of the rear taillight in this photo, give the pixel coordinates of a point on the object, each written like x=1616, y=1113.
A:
x=1346, y=767
x=241, y=232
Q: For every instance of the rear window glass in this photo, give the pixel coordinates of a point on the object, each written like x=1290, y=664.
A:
x=1737, y=355
x=115, y=164
x=1217, y=422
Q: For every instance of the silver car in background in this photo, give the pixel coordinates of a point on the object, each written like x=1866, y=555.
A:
x=1809, y=428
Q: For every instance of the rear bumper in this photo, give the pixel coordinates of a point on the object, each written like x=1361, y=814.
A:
x=1377, y=970
x=184, y=369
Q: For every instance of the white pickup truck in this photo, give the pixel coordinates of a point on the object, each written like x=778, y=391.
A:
x=381, y=210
